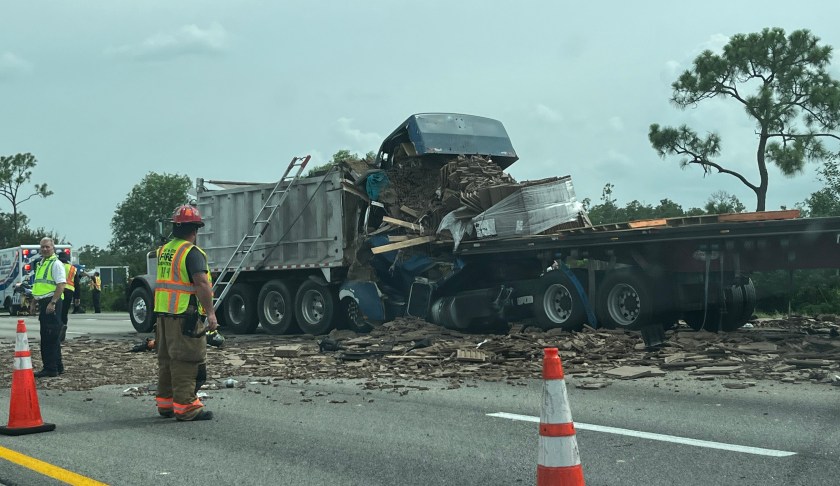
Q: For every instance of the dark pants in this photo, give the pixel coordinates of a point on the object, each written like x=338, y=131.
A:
x=65, y=310
x=77, y=297
x=96, y=295
x=50, y=336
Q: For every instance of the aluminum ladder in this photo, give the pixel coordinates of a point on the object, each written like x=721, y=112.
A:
x=274, y=200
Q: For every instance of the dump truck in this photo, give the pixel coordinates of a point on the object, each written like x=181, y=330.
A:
x=434, y=228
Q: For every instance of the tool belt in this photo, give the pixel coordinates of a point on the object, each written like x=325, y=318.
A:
x=192, y=323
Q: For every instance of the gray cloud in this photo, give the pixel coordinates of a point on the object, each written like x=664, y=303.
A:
x=186, y=41
x=360, y=141
x=547, y=114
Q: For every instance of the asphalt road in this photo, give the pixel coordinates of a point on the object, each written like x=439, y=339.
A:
x=339, y=433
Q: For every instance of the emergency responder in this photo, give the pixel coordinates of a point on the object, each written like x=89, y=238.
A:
x=183, y=300
x=69, y=291
x=96, y=287
x=48, y=291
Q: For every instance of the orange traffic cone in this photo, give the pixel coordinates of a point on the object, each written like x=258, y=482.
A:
x=24, y=412
x=559, y=459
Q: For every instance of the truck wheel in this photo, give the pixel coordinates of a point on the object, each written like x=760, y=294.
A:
x=276, y=308
x=15, y=310
x=624, y=301
x=315, y=307
x=240, y=309
x=141, y=310
x=734, y=309
x=356, y=322
x=749, y=302
x=558, y=304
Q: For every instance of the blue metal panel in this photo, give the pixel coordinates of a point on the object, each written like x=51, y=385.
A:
x=453, y=134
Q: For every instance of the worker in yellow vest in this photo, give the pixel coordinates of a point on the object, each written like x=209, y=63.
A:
x=184, y=311
x=69, y=290
x=48, y=291
x=96, y=288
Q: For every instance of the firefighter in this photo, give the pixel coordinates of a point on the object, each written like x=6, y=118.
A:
x=183, y=303
x=69, y=291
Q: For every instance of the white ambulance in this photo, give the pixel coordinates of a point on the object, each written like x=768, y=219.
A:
x=17, y=264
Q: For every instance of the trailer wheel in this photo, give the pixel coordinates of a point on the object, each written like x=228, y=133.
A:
x=240, y=309
x=141, y=310
x=624, y=301
x=275, y=308
x=558, y=304
x=315, y=307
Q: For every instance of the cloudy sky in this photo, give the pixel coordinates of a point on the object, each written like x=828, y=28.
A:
x=103, y=92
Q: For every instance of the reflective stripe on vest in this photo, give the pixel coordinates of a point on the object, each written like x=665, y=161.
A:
x=44, y=280
x=173, y=288
x=70, y=270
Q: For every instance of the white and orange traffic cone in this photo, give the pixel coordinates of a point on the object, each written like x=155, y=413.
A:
x=24, y=411
x=559, y=458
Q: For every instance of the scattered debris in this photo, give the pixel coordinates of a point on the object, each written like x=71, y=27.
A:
x=792, y=350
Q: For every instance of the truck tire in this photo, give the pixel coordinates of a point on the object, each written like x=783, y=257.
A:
x=354, y=320
x=15, y=310
x=624, y=301
x=557, y=303
x=275, y=308
x=315, y=307
x=240, y=309
x=749, y=301
x=141, y=310
x=734, y=309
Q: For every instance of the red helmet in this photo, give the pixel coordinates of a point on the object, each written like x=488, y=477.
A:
x=187, y=214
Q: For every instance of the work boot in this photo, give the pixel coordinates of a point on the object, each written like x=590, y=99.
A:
x=166, y=414
x=202, y=415
x=45, y=373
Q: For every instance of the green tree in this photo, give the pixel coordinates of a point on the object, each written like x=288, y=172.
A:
x=721, y=202
x=826, y=201
x=15, y=171
x=782, y=84
x=342, y=156
x=134, y=225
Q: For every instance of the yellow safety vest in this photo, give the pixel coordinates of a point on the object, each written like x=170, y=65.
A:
x=96, y=283
x=173, y=288
x=44, y=280
x=70, y=270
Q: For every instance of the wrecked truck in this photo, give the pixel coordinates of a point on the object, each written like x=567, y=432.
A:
x=433, y=227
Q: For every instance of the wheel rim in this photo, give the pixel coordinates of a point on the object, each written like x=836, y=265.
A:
x=139, y=310
x=312, y=306
x=353, y=312
x=236, y=309
x=274, y=308
x=557, y=303
x=623, y=304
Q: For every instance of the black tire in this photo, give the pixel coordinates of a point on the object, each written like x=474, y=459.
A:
x=15, y=310
x=141, y=310
x=749, y=302
x=557, y=303
x=353, y=318
x=625, y=301
x=275, y=308
x=315, y=308
x=240, y=309
x=734, y=309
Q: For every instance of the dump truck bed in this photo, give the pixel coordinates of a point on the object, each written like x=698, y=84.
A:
x=306, y=231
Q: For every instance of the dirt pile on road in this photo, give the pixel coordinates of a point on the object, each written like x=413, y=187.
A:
x=793, y=351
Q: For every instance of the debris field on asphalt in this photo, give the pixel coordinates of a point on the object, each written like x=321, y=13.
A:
x=795, y=350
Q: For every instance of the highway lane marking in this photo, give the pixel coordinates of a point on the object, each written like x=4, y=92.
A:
x=47, y=469
x=661, y=437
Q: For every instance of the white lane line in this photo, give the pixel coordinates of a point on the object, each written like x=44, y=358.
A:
x=661, y=437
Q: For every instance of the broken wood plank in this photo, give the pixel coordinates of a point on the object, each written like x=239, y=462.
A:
x=759, y=216
x=348, y=186
x=470, y=355
x=396, y=238
x=648, y=223
x=411, y=212
x=292, y=351
x=404, y=224
x=382, y=229
x=402, y=244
